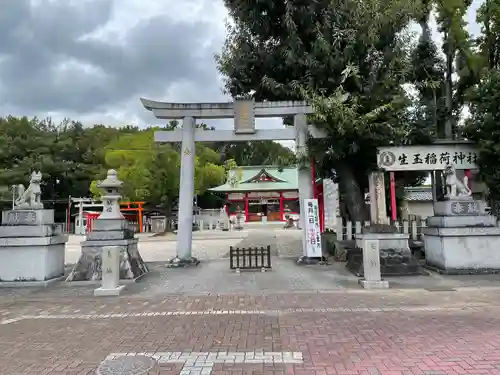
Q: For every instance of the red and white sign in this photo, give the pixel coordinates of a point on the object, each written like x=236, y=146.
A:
x=311, y=215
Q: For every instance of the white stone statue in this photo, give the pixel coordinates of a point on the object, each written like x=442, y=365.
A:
x=454, y=187
x=30, y=198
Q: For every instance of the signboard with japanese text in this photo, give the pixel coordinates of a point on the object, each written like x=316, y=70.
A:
x=244, y=116
x=465, y=208
x=427, y=158
x=311, y=215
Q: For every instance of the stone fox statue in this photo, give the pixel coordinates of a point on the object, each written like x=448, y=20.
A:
x=455, y=187
x=30, y=197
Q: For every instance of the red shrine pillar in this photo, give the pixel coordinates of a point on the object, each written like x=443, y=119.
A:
x=313, y=178
x=246, y=207
x=321, y=207
x=226, y=205
x=281, y=207
x=394, y=212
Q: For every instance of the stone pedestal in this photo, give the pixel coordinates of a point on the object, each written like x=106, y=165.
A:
x=158, y=224
x=109, y=232
x=461, y=238
x=395, y=253
x=32, y=248
x=224, y=223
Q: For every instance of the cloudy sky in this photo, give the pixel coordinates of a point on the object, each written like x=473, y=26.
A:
x=91, y=60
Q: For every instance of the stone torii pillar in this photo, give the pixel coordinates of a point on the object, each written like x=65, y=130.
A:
x=244, y=112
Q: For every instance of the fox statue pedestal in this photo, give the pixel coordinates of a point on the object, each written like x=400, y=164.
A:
x=461, y=238
x=32, y=248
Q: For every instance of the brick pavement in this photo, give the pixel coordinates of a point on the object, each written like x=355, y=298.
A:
x=348, y=333
x=293, y=320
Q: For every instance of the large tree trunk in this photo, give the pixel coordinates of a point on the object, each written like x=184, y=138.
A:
x=354, y=197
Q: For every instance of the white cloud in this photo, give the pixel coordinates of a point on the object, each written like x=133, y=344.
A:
x=91, y=60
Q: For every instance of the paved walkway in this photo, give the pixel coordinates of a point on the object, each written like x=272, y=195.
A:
x=292, y=320
x=206, y=244
x=355, y=333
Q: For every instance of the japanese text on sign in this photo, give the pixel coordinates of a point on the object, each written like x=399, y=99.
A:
x=431, y=157
x=244, y=121
x=311, y=217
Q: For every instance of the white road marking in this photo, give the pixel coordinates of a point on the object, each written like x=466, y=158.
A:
x=276, y=312
x=202, y=363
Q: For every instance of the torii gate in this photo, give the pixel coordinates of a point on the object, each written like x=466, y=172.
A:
x=244, y=112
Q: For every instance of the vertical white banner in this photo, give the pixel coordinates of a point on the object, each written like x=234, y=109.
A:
x=312, y=228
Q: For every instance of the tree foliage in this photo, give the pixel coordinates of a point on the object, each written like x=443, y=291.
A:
x=349, y=58
x=483, y=127
x=459, y=59
x=488, y=17
x=72, y=158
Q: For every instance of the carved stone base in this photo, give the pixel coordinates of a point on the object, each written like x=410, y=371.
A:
x=101, y=292
x=305, y=260
x=369, y=284
x=463, y=250
x=178, y=262
x=89, y=265
x=395, y=255
x=31, y=260
x=393, y=262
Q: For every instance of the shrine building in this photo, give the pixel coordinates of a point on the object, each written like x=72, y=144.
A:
x=261, y=191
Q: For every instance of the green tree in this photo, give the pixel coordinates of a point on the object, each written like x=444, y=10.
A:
x=68, y=155
x=459, y=59
x=348, y=58
x=483, y=124
x=488, y=17
x=483, y=128
x=429, y=115
x=257, y=153
x=151, y=172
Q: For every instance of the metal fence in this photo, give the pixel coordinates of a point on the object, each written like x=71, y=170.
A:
x=249, y=259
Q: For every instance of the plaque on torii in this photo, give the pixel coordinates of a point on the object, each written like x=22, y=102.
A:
x=244, y=117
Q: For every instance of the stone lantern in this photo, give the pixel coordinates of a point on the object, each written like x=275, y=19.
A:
x=110, y=246
x=239, y=217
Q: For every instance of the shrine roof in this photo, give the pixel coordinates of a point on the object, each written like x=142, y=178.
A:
x=261, y=178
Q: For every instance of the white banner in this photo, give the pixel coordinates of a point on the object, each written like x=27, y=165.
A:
x=427, y=158
x=312, y=228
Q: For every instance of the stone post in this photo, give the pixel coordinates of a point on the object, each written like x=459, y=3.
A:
x=378, y=212
x=186, y=196
x=371, y=263
x=110, y=285
x=331, y=203
x=304, y=172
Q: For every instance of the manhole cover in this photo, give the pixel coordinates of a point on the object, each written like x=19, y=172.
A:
x=136, y=365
